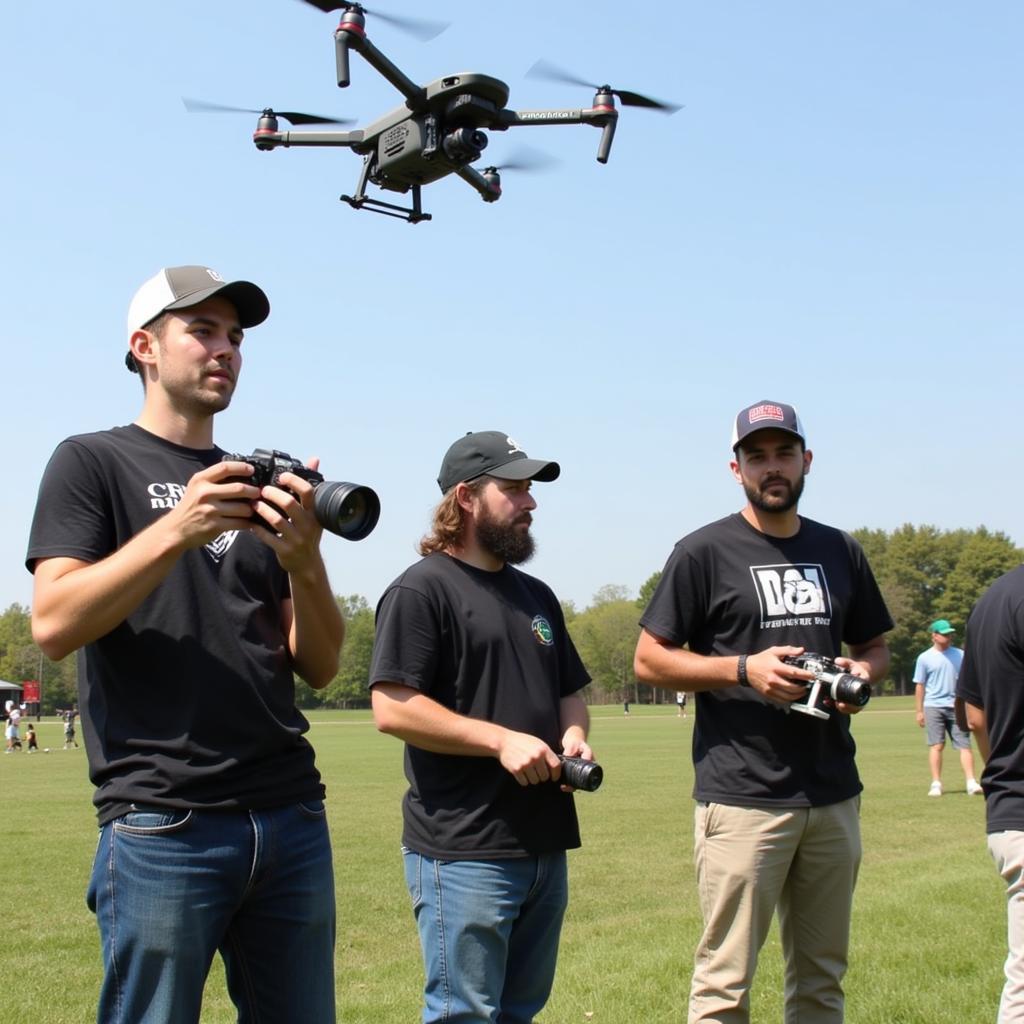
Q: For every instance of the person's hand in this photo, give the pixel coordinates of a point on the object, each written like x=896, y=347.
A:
x=291, y=529
x=529, y=759
x=215, y=501
x=574, y=745
x=773, y=678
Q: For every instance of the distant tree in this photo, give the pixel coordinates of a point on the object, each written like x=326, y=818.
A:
x=647, y=590
x=605, y=634
x=610, y=593
x=21, y=659
x=349, y=688
x=928, y=574
x=983, y=558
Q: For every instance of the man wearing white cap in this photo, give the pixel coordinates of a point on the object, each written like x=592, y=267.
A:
x=192, y=596
x=778, y=794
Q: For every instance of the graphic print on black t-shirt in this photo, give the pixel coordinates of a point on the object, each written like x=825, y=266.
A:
x=165, y=495
x=792, y=595
x=190, y=701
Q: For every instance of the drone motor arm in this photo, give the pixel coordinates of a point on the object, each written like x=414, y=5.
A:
x=604, y=147
x=602, y=115
x=266, y=139
x=351, y=34
x=490, y=190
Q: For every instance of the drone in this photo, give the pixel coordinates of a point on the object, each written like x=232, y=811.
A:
x=441, y=127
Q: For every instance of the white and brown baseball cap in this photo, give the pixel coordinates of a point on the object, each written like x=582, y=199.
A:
x=182, y=287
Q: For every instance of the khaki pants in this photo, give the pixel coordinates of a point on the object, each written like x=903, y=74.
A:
x=1007, y=849
x=802, y=861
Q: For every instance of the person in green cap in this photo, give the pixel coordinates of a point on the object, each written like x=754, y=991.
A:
x=935, y=676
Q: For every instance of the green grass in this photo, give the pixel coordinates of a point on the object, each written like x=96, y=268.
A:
x=929, y=919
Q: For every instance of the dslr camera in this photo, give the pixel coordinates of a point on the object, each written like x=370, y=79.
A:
x=580, y=774
x=349, y=510
x=830, y=683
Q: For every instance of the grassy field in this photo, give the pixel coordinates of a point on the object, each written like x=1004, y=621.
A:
x=929, y=919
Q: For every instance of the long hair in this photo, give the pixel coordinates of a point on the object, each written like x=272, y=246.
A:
x=449, y=525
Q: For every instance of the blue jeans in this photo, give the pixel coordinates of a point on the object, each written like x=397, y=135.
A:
x=170, y=888
x=489, y=933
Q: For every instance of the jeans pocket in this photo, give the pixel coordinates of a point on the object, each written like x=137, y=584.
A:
x=314, y=809
x=413, y=865
x=152, y=822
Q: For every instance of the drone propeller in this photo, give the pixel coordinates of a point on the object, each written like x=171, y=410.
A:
x=525, y=160
x=418, y=28
x=292, y=116
x=546, y=70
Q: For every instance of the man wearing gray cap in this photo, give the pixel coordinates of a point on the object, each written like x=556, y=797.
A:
x=474, y=669
x=192, y=596
x=776, y=823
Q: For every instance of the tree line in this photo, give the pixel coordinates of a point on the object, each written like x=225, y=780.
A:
x=924, y=574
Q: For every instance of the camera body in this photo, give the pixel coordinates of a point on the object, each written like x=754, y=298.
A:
x=348, y=510
x=581, y=774
x=830, y=683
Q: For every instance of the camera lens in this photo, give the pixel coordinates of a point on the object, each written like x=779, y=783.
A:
x=349, y=510
x=848, y=689
x=580, y=774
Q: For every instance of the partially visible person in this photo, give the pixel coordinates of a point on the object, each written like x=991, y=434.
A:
x=777, y=817
x=12, y=731
x=935, y=675
x=991, y=687
x=69, y=728
x=194, y=598
x=474, y=669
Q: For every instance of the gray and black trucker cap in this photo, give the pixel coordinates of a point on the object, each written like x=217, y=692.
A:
x=766, y=415
x=491, y=453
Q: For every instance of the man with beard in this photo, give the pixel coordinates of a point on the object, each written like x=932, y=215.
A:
x=474, y=669
x=776, y=824
x=191, y=617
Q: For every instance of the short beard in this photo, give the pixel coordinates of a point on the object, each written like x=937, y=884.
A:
x=774, y=505
x=507, y=543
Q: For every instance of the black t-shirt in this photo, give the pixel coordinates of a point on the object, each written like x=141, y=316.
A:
x=992, y=678
x=190, y=702
x=729, y=589
x=492, y=646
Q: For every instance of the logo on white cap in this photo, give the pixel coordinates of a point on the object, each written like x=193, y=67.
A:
x=767, y=411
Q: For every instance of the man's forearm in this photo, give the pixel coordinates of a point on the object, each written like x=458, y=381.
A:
x=675, y=668
x=574, y=716
x=874, y=656
x=76, y=602
x=317, y=628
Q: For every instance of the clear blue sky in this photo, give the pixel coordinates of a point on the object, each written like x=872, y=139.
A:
x=835, y=219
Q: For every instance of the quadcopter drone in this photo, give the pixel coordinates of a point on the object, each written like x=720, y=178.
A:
x=439, y=130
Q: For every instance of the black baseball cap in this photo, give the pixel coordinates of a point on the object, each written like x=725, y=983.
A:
x=182, y=287
x=766, y=415
x=491, y=453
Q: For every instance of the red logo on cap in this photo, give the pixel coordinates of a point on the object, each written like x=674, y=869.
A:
x=765, y=412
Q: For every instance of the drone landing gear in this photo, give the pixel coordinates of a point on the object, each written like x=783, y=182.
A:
x=413, y=214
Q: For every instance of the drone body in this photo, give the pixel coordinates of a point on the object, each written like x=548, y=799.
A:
x=438, y=130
